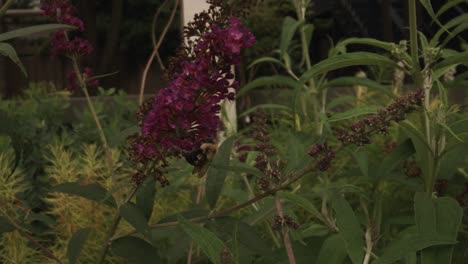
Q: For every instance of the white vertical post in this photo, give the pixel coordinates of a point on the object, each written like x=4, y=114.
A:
x=189, y=9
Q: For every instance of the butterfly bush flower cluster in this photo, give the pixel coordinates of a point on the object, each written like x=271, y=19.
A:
x=62, y=11
x=360, y=131
x=185, y=114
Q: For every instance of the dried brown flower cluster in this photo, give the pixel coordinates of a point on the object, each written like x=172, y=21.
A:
x=284, y=222
x=360, y=131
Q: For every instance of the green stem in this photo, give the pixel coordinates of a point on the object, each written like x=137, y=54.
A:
x=414, y=42
x=93, y=113
x=114, y=225
x=420, y=83
x=5, y=7
x=301, y=10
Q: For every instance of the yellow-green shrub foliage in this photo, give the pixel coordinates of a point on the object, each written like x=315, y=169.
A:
x=72, y=213
x=13, y=247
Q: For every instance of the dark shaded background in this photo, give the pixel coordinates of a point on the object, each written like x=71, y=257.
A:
x=121, y=33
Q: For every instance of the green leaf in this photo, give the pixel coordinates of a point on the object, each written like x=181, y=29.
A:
x=401, y=248
x=447, y=6
x=76, y=243
x=362, y=159
x=238, y=167
x=145, y=197
x=208, y=242
x=459, y=127
x=301, y=202
x=309, y=31
x=428, y=6
x=350, y=229
x=92, y=192
x=452, y=159
x=401, y=153
x=216, y=177
x=277, y=80
x=133, y=215
x=388, y=46
x=135, y=250
x=347, y=60
x=419, y=143
x=297, y=144
x=442, y=94
x=241, y=232
x=441, y=217
x=266, y=59
x=266, y=106
x=350, y=81
x=456, y=31
x=8, y=51
x=348, y=99
x=290, y=26
x=354, y=112
x=27, y=31
x=455, y=22
x=450, y=62
x=333, y=251
x=5, y=225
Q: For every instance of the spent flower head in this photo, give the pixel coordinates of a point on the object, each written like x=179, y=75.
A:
x=64, y=12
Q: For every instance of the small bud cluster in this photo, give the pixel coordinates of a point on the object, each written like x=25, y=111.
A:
x=440, y=186
x=449, y=75
x=138, y=177
x=226, y=257
x=360, y=131
x=324, y=155
x=411, y=169
x=430, y=54
x=265, y=161
x=390, y=146
x=398, y=50
x=63, y=11
x=284, y=222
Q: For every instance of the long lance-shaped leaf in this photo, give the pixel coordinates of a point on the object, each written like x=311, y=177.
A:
x=290, y=26
x=278, y=81
x=350, y=81
x=437, y=216
x=350, y=230
x=216, y=177
x=208, y=242
x=428, y=6
x=23, y=32
x=447, y=6
x=8, y=51
x=347, y=60
x=455, y=22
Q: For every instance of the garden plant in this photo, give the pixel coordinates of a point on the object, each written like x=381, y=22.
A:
x=368, y=168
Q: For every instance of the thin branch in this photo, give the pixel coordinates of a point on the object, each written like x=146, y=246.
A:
x=111, y=232
x=156, y=50
x=232, y=209
x=284, y=231
x=6, y=6
x=155, y=20
x=44, y=250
